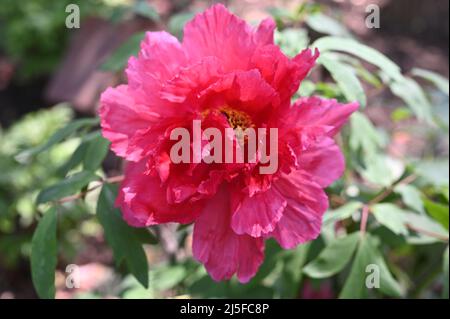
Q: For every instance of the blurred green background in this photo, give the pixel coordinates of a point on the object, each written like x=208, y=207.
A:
x=396, y=149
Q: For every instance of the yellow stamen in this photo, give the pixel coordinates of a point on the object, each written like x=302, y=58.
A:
x=237, y=119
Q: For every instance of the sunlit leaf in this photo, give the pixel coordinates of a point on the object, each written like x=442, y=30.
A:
x=343, y=212
x=438, y=80
x=382, y=170
x=427, y=226
x=438, y=211
x=306, y=88
x=75, y=160
x=345, y=77
x=364, y=135
x=362, y=51
x=391, y=216
x=413, y=95
x=435, y=172
x=411, y=196
x=59, y=136
x=325, y=24
x=292, y=41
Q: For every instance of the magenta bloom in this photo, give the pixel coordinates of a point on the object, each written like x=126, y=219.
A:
x=226, y=74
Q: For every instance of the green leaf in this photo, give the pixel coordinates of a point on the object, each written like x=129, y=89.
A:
x=91, y=152
x=364, y=135
x=438, y=80
x=177, y=21
x=382, y=170
x=167, y=277
x=324, y=24
x=413, y=95
x=333, y=258
x=435, y=171
x=96, y=152
x=118, y=60
x=145, y=236
x=66, y=187
x=328, y=90
x=307, y=88
x=424, y=224
x=359, y=68
x=292, y=41
x=362, y=51
x=279, y=14
x=445, y=270
x=401, y=114
x=368, y=256
x=346, y=79
x=445, y=191
x=121, y=237
x=44, y=255
x=143, y=8
x=438, y=211
x=343, y=212
x=391, y=216
x=367, y=76
x=58, y=137
x=411, y=196
x=291, y=275
x=74, y=160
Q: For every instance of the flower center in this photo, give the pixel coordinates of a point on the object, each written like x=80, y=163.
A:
x=237, y=119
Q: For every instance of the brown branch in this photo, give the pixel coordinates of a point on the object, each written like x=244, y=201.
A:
x=427, y=232
x=364, y=217
x=109, y=180
x=407, y=180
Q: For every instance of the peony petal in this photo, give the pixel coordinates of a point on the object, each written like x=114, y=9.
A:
x=306, y=204
x=315, y=111
x=192, y=80
x=324, y=161
x=142, y=200
x=219, y=33
x=258, y=215
x=244, y=90
x=223, y=252
x=121, y=118
x=160, y=58
x=282, y=73
x=264, y=32
x=305, y=61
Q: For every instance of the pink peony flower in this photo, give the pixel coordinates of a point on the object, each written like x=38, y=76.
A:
x=226, y=74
